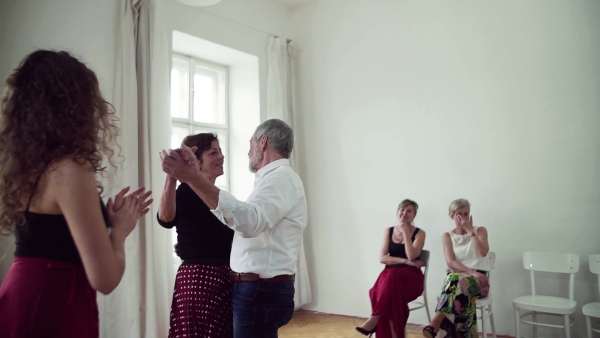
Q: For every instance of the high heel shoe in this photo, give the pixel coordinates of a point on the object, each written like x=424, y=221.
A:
x=365, y=332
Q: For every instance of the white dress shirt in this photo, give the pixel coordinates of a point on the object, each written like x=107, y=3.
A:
x=269, y=225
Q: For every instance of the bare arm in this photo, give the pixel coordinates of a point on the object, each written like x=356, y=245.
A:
x=182, y=166
x=480, y=241
x=167, y=208
x=386, y=259
x=413, y=249
x=103, y=255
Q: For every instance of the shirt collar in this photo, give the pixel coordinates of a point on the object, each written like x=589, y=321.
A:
x=272, y=166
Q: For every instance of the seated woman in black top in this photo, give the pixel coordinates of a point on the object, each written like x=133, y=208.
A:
x=401, y=281
x=202, y=297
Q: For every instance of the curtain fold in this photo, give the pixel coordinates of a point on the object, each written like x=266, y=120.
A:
x=280, y=104
x=140, y=306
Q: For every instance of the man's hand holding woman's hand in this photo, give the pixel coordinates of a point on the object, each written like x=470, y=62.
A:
x=180, y=164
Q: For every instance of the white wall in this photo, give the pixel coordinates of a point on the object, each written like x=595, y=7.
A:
x=494, y=101
x=86, y=29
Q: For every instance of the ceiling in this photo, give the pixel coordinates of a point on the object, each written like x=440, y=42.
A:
x=291, y=4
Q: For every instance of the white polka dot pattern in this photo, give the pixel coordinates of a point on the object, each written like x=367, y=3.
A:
x=202, y=302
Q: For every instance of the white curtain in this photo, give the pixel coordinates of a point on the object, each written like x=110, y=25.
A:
x=280, y=104
x=140, y=306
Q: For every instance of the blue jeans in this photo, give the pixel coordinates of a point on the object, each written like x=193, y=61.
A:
x=261, y=308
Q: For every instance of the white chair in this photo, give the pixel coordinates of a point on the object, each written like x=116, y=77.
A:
x=548, y=305
x=484, y=304
x=415, y=305
x=592, y=309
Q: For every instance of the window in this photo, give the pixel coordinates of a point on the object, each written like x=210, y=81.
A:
x=199, y=104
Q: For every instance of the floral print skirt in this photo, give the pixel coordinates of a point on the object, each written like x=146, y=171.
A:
x=457, y=300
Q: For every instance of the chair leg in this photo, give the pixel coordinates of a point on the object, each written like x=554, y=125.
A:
x=483, y=308
x=534, y=319
x=491, y=312
x=588, y=326
x=426, y=306
x=567, y=326
x=517, y=323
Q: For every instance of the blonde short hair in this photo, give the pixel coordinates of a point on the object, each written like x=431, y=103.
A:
x=408, y=202
x=458, y=204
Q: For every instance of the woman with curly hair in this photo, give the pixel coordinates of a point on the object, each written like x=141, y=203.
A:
x=465, y=248
x=55, y=127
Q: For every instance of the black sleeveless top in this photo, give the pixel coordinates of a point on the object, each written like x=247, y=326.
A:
x=48, y=236
x=397, y=250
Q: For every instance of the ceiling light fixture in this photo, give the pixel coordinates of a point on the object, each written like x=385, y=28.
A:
x=200, y=2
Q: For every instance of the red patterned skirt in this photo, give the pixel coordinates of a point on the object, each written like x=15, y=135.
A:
x=46, y=298
x=202, y=302
x=393, y=290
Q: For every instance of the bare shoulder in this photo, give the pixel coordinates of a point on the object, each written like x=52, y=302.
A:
x=481, y=230
x=68, y=168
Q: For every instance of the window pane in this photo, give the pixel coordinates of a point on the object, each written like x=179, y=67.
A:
x=207, y=108
x=180, y=88
x=177, y=136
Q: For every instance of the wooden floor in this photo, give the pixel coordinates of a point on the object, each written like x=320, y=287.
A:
x=322, y=325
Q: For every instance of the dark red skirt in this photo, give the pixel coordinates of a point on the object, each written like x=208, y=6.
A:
x=393, y=290
x=47, y=298
x=202, y=302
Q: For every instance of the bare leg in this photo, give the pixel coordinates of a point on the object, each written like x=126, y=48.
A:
x=370, y=323
x=436, y=322
x=392, y=330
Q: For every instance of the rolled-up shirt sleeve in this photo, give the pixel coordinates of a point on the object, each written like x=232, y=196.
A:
x=270, y=202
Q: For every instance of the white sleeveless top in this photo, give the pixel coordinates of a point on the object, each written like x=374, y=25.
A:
x=464, y=252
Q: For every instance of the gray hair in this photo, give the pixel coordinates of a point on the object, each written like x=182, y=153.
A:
x=457, y=204
x=279, y=136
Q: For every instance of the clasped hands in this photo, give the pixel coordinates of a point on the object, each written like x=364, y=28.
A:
x=181, y=163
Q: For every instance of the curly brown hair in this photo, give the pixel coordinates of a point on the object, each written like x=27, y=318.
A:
x=52, y=108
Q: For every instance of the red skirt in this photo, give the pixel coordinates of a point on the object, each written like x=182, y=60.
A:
x=202, y=302
x=47, y=298
x=393, y=290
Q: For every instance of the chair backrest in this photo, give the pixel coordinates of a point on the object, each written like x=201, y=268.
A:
x=595, y=266
x=424, y=257
x=556, y=262
x=491, y=257
x=551, y=262
x=595, y=263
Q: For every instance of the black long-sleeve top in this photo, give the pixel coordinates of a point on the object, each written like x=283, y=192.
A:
x=201, y=236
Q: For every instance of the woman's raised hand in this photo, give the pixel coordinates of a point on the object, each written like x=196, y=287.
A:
x=466, y=223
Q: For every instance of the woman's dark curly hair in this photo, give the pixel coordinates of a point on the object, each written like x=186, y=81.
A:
x=52, y=108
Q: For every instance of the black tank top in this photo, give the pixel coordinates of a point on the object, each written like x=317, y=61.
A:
x=48, y=236
x=397, y=249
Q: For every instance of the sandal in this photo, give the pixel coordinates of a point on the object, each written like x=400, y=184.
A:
x=429, y=332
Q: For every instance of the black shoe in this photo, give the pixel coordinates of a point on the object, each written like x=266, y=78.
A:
x=365, y=332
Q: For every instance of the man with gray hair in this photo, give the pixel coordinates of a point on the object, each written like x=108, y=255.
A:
x=268, y=228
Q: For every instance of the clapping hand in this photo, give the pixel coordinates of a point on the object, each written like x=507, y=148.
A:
x=117, y=202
